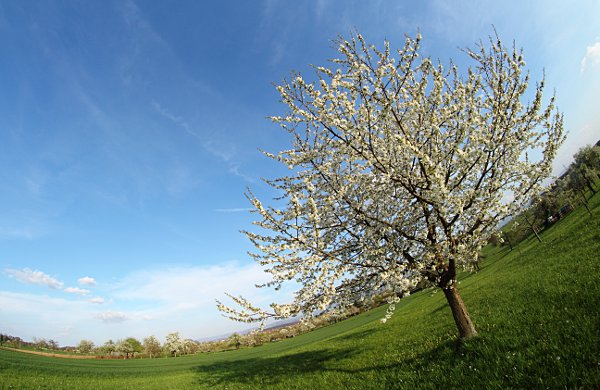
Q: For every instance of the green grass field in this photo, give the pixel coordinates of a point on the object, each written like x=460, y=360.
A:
x=536, y=309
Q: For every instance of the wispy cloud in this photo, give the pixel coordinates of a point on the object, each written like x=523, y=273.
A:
x=76, y=290
x=235, y=170
x=234, y=210
x=36, y=315
x=174, y=296
x=87, y=281
x=181, y=122
x=112, y=317
x=592, y=57
x=273, y=12
x=189, y=287
x=178, y=120
x=224, y=153
x=30, y=276
x=65, y=320
x=157, y=301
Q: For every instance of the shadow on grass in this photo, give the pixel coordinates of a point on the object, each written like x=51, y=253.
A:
x=475, y=364
x=279, y=370
x=269, y=371
x=357, y=336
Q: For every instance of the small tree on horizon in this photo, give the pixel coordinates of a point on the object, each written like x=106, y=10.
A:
x=152, y=346
x=585, y=169
x=85, y=346
x=173, y=344
x=401, y=171
x=109, y=347
x=124, y=347
x=136, y=345
x=235, y=340
x=41, y=343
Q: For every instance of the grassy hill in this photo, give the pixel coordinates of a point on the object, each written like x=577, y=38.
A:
x=536, y=309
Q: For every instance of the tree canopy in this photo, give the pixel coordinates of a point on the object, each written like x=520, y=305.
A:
x=152, y=346
x=401, y=169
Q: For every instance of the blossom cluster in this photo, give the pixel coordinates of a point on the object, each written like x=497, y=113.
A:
x=399, y=171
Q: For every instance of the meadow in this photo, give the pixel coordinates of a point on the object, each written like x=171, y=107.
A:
x=536, y=309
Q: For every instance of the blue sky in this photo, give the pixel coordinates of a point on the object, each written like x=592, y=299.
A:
x=130, y=130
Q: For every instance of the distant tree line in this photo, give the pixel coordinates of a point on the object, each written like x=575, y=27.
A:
x=12, y=341
x=571, y=190
x=174, y=345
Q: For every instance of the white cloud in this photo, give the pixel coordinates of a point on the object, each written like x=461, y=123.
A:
x=86, y=281
x=234, y=210
x=192, y=287
x=112, y=316
x=36, y=315
x=224, y=152
x=178, y=120
x=592, y=56
x=183, y=298
x=150, y=302
x=29, y=276
x=235, y=170
x=76, y=290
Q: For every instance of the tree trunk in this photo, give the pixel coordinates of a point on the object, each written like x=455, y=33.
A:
x=585, y=202
x=466, y=329
x=589, y=183
x=508, y=240
x=591, y=187
x=533, y=229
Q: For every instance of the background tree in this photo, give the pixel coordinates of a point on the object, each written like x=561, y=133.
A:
x=136, y=345
x=173, y=344
x=190, y=346
x=14, y=341
x=548, y=205
x=40, y=343
x=235, y=340
x=85, y=346
x=124, y=348
x=152, y=346
x=109, y=347
x=399, y=170
x=581, y=178
x=53, y=344
x=585, y=169
x=532, y=224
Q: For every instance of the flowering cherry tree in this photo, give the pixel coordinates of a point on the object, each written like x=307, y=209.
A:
x=173, y=344
x=401, y=169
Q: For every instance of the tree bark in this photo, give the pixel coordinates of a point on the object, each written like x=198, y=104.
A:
x=591, y=187
x=589, y=182
x=533, y=229
x=507, y=240
x=466, y=329
x=585, y=202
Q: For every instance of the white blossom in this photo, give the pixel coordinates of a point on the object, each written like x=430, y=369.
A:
x=399, y=168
